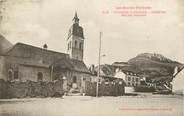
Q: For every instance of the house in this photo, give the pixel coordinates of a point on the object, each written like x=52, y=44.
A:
x=128, y=73
x=22, y=62
x=130, y=78
x=106, y=73
x=108, y=84
x=112, y=72
x=177, y=82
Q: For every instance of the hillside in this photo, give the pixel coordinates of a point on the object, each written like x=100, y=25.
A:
x=154, y=65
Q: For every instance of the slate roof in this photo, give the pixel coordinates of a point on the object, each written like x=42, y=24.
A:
x=26, y=47
x=106, y=70
x=71, y=64
x=33, y=64
x=34, y=54
x=29, y=55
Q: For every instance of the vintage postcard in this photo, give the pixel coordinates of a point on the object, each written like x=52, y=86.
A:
x=91, y=57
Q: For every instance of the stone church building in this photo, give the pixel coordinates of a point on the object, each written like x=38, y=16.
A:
x=22, y=62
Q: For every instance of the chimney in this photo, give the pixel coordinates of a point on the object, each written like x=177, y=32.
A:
x=45, y=46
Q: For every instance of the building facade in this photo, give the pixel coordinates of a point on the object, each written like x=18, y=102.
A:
x=177, y=82
x=130, y=78
x=23, y=62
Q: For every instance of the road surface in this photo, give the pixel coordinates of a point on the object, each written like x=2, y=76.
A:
x=151, y=105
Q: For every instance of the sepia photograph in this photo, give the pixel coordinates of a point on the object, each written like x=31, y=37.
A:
x=91, y=57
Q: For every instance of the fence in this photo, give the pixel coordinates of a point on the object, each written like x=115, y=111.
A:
x=110, y=89
x=30, y=89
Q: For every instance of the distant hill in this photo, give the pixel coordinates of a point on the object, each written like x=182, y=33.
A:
x=154, y=65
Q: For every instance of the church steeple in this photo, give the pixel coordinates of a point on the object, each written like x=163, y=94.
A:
x=75, y=19
x=75, y=40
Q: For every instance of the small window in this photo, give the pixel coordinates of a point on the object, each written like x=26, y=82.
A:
x=132, y=79
x=75, y=44
x=16, y=75
x=128, y=83
x=80, y=46
x=90, y=79
x=137, y=79
x=106, y=80
x=70, y=45
x=74, y=79
x=40, y=76
x=129, y=78
x=10, y=75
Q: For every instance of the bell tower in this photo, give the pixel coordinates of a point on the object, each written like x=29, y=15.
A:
x=75, y=40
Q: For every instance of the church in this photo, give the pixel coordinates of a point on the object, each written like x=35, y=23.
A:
x=22, y=62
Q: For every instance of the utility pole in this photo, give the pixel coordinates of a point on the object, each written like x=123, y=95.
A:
x=98, y=76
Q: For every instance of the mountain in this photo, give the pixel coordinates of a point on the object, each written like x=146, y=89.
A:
x=154, y=65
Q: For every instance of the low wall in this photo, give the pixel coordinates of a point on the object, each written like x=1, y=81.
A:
x=109, y=89
x=30, y=89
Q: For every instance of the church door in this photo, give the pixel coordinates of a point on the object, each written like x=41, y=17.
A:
x=74, y=82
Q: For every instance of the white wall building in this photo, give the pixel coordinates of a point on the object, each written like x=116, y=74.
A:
x=130, y=78
x=178, y=82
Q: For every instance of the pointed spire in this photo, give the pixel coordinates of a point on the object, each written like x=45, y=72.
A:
x=76, y=19
x=76, y=15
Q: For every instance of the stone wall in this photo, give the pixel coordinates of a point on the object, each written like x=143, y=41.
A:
x=2, y=69
x=110, y=89
x=30, y=89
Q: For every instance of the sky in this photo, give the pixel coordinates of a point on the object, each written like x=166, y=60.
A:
x=37, y=22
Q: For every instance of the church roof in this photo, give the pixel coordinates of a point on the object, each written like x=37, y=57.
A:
x=71, y=64
x=33, y=64
x=76, y=29
x=34, y=48
x=34, y=56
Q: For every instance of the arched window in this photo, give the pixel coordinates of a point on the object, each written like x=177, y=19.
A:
x=16, y=75
x=129, y=78
x=40, y=76
x=10, y=75
x=70, y=44
x=75, y=44
x=80, y=46
x=74, y=79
